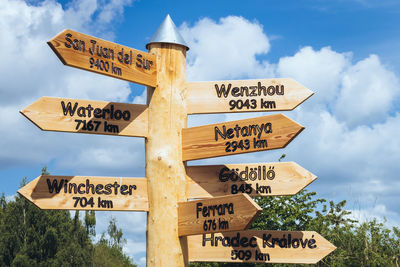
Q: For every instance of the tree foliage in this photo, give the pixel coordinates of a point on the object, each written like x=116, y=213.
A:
x=33, y=237
x=108, y=251
x=368, y=243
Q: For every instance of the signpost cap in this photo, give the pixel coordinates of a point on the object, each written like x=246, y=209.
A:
x=167, y=33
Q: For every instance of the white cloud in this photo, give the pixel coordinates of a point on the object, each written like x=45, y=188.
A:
x=80, y=13
x=103, y=155
x=367, y=93
x=318, y=70
x=111, y=10
x=140, y=99
x=357, y=94
x=351, y=122
x=217, y=51
x=379, y=212
x=82, y=85
x=31, y=70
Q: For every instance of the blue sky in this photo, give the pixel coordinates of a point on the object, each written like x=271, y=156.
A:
x=347, y=52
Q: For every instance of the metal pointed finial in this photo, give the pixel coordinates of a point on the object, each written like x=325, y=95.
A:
x=167, y=33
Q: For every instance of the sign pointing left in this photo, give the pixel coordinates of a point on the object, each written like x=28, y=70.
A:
x=93, y=54
x=86, y=116
x=87, y=193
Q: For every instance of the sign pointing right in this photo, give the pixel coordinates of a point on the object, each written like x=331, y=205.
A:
x=219, y=214
x=245, y=95
x=257, y=179
x=236, y=137
x=305, y=247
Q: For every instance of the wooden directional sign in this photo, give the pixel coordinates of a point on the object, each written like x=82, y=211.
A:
x=260, y=246
x=87, y=193
x=236, y=137
x=245, y=95
x=93, y=54
x=86, y=116
x=261, y=179
x=220, y=214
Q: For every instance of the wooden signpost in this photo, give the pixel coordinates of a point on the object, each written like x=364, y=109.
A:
x=260, y=246
x=93, y=54
x=219, y=214
x=223, y=190
x=257, y=179
x=86, y=116
x=236, y=137
x=87, y=193
x=246, y=95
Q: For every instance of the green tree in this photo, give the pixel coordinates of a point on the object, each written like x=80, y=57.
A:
x=369, y=243
x=108, y=251
x=291, y=213
x=41, y=237
x=33, y=237
x=358, y=244
x=90, y=222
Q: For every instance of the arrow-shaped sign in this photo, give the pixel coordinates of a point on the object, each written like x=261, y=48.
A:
x=93, y=54
x=87, y=193
x=245, y=95
x=261, y=179
x=236, y=137
x=86, y=116
x=303, y=247
x=219, y=214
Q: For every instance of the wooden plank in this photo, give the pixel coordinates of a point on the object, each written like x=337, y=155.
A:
x=165, y=170
x=255, y=179
x=277, y=94
x=236, y=137
x=219, y=214
x=93, y=54
x=302, y=247
x=87, y=193
x=87, y=116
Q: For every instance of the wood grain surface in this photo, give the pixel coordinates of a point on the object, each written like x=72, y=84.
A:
x=107, y=193
x=219, y=214
x=73, y=115
x=236, y=137
x=255, y=179
x=277, y=94
x=302, y=247
x=93, y=54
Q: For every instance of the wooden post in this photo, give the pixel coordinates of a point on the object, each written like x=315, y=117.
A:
x=163, y=121
x=165, y=171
